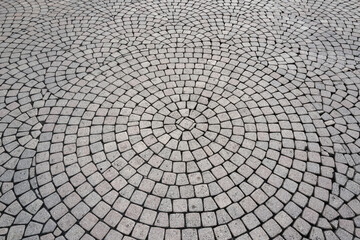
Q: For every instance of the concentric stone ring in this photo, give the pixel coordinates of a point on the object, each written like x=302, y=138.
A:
x=179, y=120
x=175, y=147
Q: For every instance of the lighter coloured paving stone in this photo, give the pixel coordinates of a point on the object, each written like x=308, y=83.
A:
x=179, y=119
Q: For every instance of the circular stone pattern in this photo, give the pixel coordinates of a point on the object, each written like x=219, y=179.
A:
x=194, y=141
x=179, y=120
x=185, y=126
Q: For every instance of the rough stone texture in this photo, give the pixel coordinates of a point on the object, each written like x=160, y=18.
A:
x=179, y=119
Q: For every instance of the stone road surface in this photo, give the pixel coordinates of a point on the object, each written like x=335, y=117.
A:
x=173, y=119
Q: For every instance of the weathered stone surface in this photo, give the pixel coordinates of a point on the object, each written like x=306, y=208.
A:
x=179, y=119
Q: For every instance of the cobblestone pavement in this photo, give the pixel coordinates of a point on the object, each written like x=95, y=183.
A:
x=196, y=119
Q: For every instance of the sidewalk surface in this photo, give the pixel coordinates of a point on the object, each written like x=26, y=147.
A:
x=175, y=119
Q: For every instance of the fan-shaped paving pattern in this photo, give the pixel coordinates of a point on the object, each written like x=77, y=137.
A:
x=179, y=120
